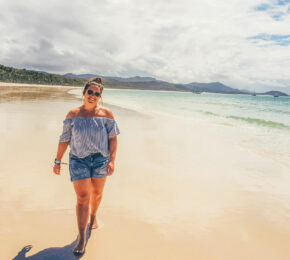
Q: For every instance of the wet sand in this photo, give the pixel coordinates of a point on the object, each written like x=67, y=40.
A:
x=180, y=190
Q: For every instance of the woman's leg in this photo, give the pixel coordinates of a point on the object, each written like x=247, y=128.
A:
x=96, y=196
x=83, y=190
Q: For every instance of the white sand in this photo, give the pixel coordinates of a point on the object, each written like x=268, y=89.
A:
x=180, y=191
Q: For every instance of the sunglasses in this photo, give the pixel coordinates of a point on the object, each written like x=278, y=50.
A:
x=97, y=94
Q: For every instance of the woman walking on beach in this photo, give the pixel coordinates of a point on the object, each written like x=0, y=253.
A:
x=91, y=132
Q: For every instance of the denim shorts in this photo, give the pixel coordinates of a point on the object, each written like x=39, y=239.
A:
x=92, y=166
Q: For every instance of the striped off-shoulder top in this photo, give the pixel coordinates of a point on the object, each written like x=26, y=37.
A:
x=88, y=135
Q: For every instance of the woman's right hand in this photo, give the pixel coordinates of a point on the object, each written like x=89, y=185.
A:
x=56, y=168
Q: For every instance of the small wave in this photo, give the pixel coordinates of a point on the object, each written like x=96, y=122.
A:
x=261, y=122
x=279, y=111
x=208, y=113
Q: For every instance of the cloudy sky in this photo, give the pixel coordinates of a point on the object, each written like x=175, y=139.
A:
x=241, y=43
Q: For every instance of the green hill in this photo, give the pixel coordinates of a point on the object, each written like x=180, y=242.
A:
x=9, y=74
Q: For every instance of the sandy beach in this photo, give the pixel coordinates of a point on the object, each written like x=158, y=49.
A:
x=181, y=190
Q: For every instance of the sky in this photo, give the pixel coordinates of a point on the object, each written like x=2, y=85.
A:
x=243, y=44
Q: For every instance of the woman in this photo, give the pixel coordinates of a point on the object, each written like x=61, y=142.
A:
x=91, y=132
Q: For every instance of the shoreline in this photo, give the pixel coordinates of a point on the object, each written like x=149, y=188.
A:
x=10, y=84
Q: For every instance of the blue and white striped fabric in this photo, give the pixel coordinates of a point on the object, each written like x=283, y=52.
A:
x=88, y=135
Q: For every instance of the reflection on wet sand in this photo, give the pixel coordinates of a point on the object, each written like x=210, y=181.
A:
x=25, y=93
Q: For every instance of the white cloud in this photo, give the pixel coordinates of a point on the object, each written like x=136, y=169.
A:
x=178, y=41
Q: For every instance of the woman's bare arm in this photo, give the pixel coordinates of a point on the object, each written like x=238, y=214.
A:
x=113, y=150
x=113, y=147
x=112, y=139
x=62, y=146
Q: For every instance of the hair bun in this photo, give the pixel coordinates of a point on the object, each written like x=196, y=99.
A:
x=97, y=80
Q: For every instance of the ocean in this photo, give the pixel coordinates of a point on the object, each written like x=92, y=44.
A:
x=258, y=111
x=263, y=122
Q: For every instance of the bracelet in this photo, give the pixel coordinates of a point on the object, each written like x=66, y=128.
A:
x=57, y=161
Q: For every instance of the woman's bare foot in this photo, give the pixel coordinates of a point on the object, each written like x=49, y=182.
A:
x=80, y=247
x=93, y=222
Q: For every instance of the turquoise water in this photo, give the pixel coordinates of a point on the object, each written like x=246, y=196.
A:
x=257, y=111
x=260, y=124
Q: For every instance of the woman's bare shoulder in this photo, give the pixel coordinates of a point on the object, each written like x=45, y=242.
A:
x=104, y=112
x=108, y=113
x=73, y=112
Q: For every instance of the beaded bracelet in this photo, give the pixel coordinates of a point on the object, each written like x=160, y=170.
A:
x=57, y=161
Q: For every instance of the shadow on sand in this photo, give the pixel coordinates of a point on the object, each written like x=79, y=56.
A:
x=53, y=253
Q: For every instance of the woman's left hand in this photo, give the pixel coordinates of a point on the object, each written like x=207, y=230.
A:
x=110, y=167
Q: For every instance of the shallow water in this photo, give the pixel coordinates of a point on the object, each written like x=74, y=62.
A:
x=263, y=108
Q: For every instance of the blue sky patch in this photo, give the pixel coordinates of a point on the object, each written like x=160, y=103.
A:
x=283, y=2
x=273, y=39
x=262, y=7
x=273, y=9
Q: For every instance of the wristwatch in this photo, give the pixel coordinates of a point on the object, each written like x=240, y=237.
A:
x=57, y=161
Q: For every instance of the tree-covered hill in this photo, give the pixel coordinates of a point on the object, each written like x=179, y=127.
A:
x=9, y=74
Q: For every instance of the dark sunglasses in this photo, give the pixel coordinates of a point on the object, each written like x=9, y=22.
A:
x=90, y=92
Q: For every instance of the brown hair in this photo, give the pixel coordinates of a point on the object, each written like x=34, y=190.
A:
x=94, y=82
